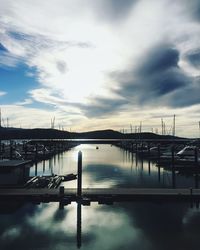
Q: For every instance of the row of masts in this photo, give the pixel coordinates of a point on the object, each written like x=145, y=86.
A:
x=3, y=122
x=164, y=131
x=136, y=129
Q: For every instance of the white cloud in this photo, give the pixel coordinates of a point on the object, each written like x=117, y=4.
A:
x=28, y=117
x=2, y=93
x=25, y=102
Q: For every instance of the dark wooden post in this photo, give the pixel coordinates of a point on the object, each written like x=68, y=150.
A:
x=36, y=151
x=191, y=197
x=173, y=169
x=142, y=149
x=36, y=168
x=196, y=155
x=61, y=194
x=61, y=191
x=149, y=166
x=136, y=153
x=159, y=154
x=148, y=149
x=2, y=150
x=172, y=150
x=136, y=147
x=196, y=163
x=159, y=172
x=23, y=173
x=43, y=166
x=79, y=231
x=43, y=151
x=11, y=151
x=79, y=180
x=196, y=178
x=25, y=148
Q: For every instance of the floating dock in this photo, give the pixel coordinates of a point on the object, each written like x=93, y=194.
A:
x=101, y=195
x=13, y=163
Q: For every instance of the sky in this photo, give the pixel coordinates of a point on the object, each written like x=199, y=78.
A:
x=103, y=64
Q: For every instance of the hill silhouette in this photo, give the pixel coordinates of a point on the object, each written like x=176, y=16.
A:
x=41, y=133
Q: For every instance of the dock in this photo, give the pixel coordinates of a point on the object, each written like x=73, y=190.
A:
x=14, y=163
x=101, y=195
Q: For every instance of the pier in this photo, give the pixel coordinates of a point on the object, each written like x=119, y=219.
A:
x=33, y=150
x=100, y=195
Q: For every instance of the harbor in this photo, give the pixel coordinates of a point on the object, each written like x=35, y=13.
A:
x=168, y=157
x=106, y=178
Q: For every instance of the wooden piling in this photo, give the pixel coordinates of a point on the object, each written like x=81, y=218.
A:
x=159, y=154
x=191, y=198
x=36, y=151
x=25, y=149
x=196, y=178
x=11, y=151
x=79, y=179
x=173, y=169
x=149, y=166
x=196, y=156
x=61, y=194
x=148, y=149
x=79, y=229
x=172, y=151
x=36, y=168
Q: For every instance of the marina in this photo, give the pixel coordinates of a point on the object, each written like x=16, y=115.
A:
x=99, y=125
x=92, y=181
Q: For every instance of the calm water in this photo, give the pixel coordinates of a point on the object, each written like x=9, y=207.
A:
x=145, y=226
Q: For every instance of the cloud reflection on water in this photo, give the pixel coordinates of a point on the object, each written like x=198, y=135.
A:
x=144, y=226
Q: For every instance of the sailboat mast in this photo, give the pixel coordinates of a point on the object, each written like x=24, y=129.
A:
x=174, y=125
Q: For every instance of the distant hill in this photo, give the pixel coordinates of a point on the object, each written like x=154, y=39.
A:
x=38, y=133
x=100, y=134
x=41, y=133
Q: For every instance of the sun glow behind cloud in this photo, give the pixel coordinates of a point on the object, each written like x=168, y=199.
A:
x=90, y=59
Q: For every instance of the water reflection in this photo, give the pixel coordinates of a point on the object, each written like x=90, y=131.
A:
x=138, y=225
x=104, y=227
x=79, y=223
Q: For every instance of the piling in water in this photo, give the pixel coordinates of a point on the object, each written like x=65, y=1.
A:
x=79, y=180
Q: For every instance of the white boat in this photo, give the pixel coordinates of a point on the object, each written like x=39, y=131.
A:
x=188, y=152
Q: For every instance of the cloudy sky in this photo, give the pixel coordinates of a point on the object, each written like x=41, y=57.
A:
x=97, y=64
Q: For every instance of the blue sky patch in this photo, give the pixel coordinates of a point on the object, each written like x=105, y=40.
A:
x=16, y=83
x=2, y=48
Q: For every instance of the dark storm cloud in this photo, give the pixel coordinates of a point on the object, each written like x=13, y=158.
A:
x=186, y=96
x=194, y=9
x=155, y=78
x=100, y=106
x=159, y=59
x=113, y=10
x=194, y=58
